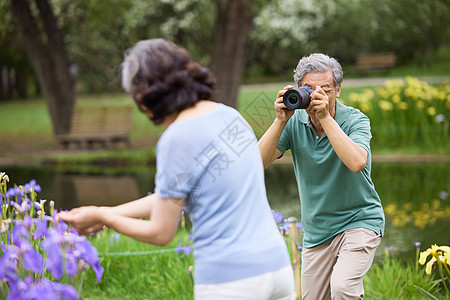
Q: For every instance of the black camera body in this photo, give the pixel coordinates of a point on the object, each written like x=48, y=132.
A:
x=297, y=98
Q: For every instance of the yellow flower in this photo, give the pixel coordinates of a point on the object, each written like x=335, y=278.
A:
x=446, y=258
x=437, y=252
x=3, y=178
x=431, y=110
x=385, y=105
x=396, y=98
x=403, y=105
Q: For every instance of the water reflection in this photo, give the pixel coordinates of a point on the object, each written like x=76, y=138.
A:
x=414, y=196
x=72, y=190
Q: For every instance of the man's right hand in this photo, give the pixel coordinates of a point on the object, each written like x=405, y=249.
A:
x=283, y=114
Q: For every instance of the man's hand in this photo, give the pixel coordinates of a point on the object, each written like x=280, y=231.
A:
x=283, y=114
x=319, y=106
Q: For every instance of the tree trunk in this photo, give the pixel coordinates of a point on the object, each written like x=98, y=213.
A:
x=49, y=60
x=2, y=81
x=231, y=33
x=22, y=83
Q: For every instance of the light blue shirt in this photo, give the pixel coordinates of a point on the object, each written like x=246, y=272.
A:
x=214, y=162
x=333, y=198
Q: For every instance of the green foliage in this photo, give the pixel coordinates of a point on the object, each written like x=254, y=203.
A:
x=152, y=276
x=392, y=279
x=407, y=112
x=167, y=275
x=285, y=30
x=97, y=33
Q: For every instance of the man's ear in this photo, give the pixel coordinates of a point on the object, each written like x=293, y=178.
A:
x=338, y=92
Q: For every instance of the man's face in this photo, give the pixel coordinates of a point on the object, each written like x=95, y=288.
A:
x=325, y=81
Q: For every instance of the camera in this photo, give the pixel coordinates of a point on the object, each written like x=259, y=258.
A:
x=297, y=98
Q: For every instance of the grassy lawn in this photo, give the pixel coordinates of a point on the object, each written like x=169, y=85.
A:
x=165, y=275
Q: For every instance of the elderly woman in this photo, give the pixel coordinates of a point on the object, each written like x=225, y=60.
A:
x=208, y=164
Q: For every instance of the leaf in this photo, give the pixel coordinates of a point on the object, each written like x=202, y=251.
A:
x=425, y=292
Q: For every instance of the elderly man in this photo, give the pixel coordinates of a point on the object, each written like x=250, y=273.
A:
x=342, y=215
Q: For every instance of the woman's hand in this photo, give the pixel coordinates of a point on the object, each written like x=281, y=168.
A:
x=86, y=219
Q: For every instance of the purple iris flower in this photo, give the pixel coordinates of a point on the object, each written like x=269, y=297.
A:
x=32, y=259
x=16, y=288
x=71, y=266
x=32, y=184
x=91, y=255
x=13, y=192
x=83, y=249
x=98, y=269
x=65, y=250
x=277, y=216
x=66, y=291
x=8, y=265
x=41, y=228
x=54, y=261
x=44, y=289
x=20, y=208
x=285, y=227
x=186, y=249
x=27, y=220
x=62, y=226
x=19, y=231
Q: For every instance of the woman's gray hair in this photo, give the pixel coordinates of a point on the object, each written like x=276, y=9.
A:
x=319, y=62
x=135, y=59
x=163, y=79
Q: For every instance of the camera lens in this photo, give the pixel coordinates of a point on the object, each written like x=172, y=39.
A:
x=293, y=99
x=296, y=98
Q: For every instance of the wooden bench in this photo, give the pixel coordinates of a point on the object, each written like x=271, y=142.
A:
x=99, y=124
x=375, y=62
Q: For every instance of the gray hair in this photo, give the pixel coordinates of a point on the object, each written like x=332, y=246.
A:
x=319, y=62
x=163, y=79
x=136, y=59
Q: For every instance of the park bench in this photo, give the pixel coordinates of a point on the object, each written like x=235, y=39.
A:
x=375, y=62
x=103, y=125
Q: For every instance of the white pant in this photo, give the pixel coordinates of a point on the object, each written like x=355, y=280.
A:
x=277, y=285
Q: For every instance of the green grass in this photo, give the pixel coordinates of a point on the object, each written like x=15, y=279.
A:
x=31, y=117
x=150, y=276
x=393, y=279
x=166, y=275
x=440, y=66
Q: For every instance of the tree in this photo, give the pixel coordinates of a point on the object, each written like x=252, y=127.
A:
x=216, y=33
x=230, y=36
x=43, y=43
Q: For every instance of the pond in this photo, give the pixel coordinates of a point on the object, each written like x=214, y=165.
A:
x=415, y=196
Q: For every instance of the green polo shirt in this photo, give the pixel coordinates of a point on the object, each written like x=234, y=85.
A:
x=333, y=198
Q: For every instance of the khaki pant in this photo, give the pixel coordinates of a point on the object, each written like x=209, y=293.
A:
x=336, y=270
